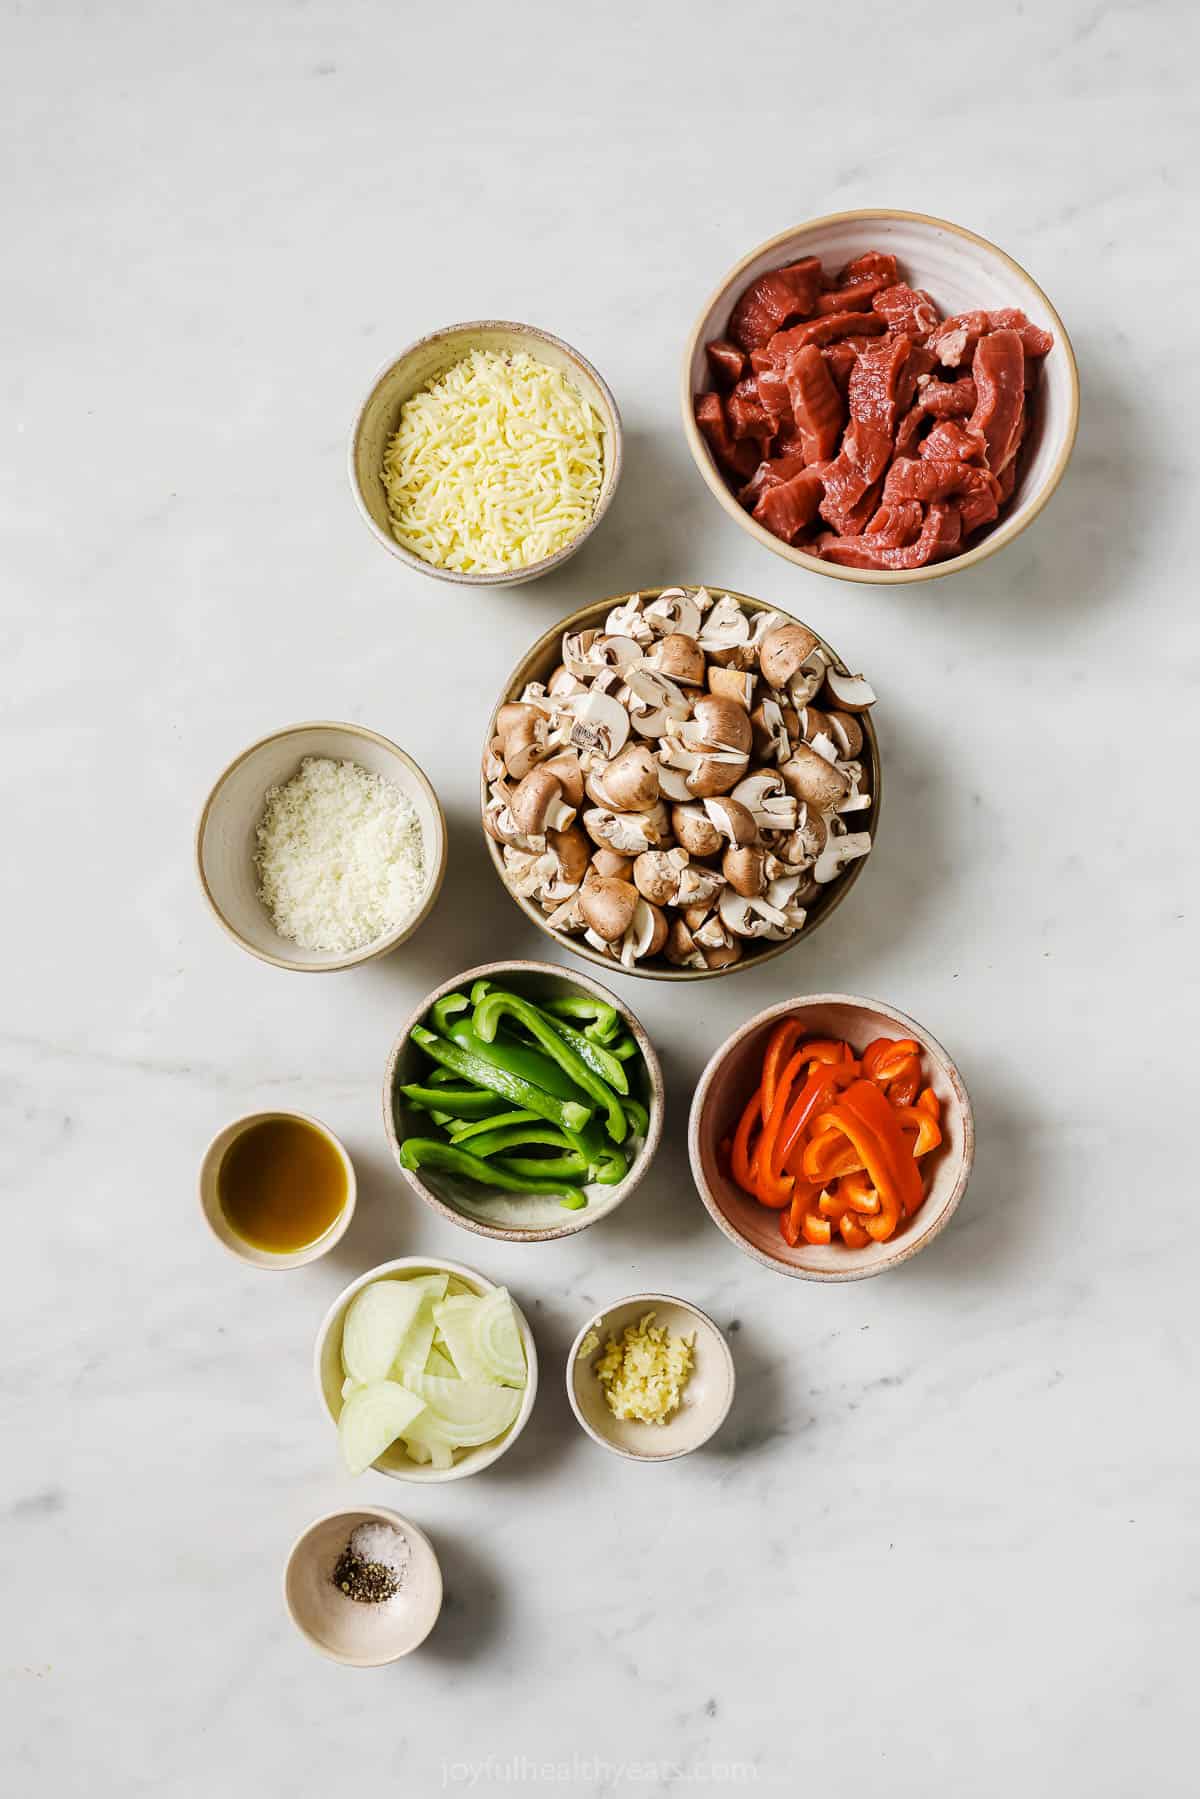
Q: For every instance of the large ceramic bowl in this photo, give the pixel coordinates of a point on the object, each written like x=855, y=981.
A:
x=428, y=360
x=963, y=272
x=327, y=1367
x=226, y=840
x=490, y=1212
x=540, y=662
x=730, y=1079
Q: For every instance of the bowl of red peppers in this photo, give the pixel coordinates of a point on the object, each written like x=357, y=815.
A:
x=831, y=1137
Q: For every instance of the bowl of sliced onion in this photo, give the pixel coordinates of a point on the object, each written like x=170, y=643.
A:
x=427, y=1368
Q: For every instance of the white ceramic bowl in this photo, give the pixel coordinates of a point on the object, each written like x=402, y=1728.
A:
x=327, y=1367
x=346, y=1630
x=515, y=1218
x=428, y=360
x=225, y=837
x=706, y=1398
x=963, y=272
x=720, y=1099
x=223, y=1231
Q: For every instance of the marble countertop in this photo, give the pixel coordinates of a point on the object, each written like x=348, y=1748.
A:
x=946, y=1541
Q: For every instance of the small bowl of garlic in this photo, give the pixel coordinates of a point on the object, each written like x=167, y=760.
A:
x=650, y=1377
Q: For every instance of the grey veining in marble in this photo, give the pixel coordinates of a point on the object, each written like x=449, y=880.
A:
x=947, y=1541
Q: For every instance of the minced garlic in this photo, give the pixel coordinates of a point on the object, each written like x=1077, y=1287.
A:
x=494, y=466
x=644, y=1375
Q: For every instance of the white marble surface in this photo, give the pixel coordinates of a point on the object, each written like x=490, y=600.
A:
x=946, y=1543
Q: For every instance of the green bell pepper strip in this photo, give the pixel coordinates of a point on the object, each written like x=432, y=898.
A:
x=565, y=1168
x=478, y=990
x=623, y=1049
x=523, y=1059
x=566, y=1114
x=452, y=1102
x=516, y=1136
x=498, y=1004
x=445, y=1009
x=462, y=1133
x=428, y=1152
x=605, y=1020
x=600, y=1060
x=638, y=1116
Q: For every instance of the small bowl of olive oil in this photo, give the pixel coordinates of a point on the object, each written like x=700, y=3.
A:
x=277, y=1189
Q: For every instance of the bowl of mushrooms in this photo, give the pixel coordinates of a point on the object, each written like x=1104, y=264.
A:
x=682, y=781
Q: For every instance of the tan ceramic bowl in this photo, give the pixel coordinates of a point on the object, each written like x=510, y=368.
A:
x=225, y=837
x=706, y=1398
x=346, y=1630
x=327, y=1366
x=727, y=1084
x=222, y=1230
x=962, y=272
x=539, y=663
x=515, y=1218
x=428, y=360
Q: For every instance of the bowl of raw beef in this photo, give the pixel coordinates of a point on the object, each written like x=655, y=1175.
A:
x=880, y=396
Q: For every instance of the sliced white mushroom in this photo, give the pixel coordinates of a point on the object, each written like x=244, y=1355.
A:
x=576, y=654
x=849, y=692
x=653, y=700
x=771, y=740
x=628, y=833
x=781, y=893
x=732, y=819
x=681, y=948
x=645, y=935
x=561, y=683
x=858, y=799
x=527, y=873
x=628, y=620
x=801, y=847
x=525, y=741
x=672, y=780
x=568, y=916
x=747, y=917
x=678, y=657
x=767, y=800
x=598, y=723
x=839, y=850
x=725, y=629
x=612, y=651
x=847, y=733
x=673, y=610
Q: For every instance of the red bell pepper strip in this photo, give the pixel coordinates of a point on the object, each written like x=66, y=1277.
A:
x=816, y=1229
x=773, y=1186
x=882, y=1060
x=782, y=1041
x=740, y=1158
x=863, y=1114
x=928, y=1130
x=828, y=1155
x=852, y=1233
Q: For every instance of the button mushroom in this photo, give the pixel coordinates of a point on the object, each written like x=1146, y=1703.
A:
x=850, y=693
x=656, y=875
x=537, y=804
x=524, y=742
x=735, y=684
x=745, y=869
x=598, y=723
x=607, y=907
x=719, y=724
x=628, y=833
x=674, y=612
x=847, y=733
x=630, y=781
x=678, y=657
x=771, y=741
x=654, y=699
x=697, y=833
x=725, y=630
x=840, y=849
x=809, y=777
x=767, y=800
x=731, y=819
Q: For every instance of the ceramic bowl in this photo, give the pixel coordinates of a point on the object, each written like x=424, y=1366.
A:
x=706, y=1399
x=327, y=1366
x=516, y=1218
x=963, y=272
x=428, y=360
x=540, y=662
x=226, y=844
x=222, y=1230
x=721, y=1096
x=347, y=1630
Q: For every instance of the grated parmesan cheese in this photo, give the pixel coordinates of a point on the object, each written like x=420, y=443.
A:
x=340, y=856
x=643, y=1375
x=495, y=465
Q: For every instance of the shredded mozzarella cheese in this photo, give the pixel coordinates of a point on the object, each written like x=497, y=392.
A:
x=340, y=856
x=494, y=466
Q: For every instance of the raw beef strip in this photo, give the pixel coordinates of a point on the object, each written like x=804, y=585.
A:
x=858, y=283
x=947, y=399
x=773, y=394
x=920, y=364
x=824, y=331
x=956, y=338
x=817, y=407
x=773, y=299
x=786, y=509
x=950, y=441
x=840, y=359
x=873, y=407
x=940, y=534
x=908, y=310
x=739, y=459
x=746, y=415
x=771, y=472
x=999, y=372
x=912, y=479
x=850, y=499
x=726, y=361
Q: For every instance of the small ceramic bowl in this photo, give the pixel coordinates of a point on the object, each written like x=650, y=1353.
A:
x=963, y=272
x=226, y=841
x=428, y=360
x=222, y=1230
x=515, y=1218
x=327, y=1367
x=706, y=1399
x=539, y=663
x=358, y=1634
x=721, y=1096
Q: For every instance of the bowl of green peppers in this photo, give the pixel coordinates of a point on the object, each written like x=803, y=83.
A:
x=523, y=1102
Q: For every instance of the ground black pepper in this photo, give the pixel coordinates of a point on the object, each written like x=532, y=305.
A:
x=369, y=1582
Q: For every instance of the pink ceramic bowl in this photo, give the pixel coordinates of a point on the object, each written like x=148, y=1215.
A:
x=727, y=1084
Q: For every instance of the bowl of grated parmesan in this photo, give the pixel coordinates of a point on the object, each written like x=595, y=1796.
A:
x=486, y=453
x=321, y=846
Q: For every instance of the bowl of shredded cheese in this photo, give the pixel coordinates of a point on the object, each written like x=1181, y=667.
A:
x=486, y=453
x=651, y=1377
x=321, y=846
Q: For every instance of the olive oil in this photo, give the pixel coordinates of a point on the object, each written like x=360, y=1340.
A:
x=281, y=1184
